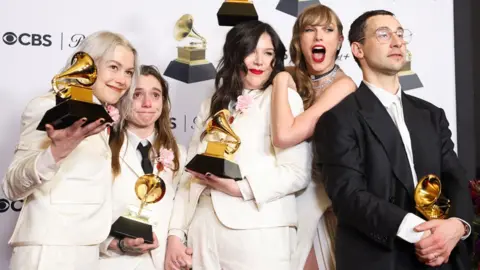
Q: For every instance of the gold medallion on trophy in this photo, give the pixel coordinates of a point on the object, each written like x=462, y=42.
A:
x=190, y=65
x=295, y=7
x=408, y=79
x=136, y=223
x=74, y=97
x=429, y=199
x=221, y=146
x=233, y=12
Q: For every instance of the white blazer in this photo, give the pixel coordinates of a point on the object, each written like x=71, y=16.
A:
x=273, y=174
x=123, y=194
x=71, y=203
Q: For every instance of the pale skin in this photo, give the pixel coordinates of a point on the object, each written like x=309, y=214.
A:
x=259, y=68
x=380, y=63
x=114, y=78
x=287, y=129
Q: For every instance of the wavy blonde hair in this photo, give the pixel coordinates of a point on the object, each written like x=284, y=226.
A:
x=312, y=15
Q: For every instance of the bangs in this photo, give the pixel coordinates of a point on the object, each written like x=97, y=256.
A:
x=318, y=15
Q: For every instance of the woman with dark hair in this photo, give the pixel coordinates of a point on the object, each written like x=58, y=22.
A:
x=144, y=143
x=316, y=42
x=246, y=224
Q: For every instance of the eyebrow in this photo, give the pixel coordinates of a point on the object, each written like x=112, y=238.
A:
x=154, y=88
x=118, y=63
x=386, y=27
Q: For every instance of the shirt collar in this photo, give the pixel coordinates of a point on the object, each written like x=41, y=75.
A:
x=135, y=140
x=385, y=97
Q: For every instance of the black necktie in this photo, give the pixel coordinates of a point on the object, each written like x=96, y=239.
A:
x=146, y=164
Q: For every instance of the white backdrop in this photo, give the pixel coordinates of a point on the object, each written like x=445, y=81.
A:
x=54, y=27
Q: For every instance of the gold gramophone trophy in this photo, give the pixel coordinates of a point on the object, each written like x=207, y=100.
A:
x=408, y=79
x=74, y=97
x=190, y=65
x=295, y=7
x=218, y=157
x=429, y=199
x=233, y=12
x=136, y=223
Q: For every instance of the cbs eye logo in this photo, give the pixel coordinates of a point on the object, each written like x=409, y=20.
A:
x=26, y=39
x=5, y=204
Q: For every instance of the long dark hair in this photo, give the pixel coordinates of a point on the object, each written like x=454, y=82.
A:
x=241, y=41
x=164, y=138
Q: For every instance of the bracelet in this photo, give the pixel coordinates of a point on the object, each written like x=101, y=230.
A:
x=121, y=246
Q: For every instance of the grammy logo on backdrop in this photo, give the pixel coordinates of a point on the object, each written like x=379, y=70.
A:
x=190, y=65
x=74, y=97
x=218, y=157
x=408, y=79
x=233, y=12
x=295, y=7
x=429, y=199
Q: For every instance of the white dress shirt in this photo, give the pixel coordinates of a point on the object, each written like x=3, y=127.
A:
x=393, y=104
x=135, y=140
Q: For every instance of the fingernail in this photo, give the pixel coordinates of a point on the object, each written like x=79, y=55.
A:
x=208, y=174
x=84, y=119
x=102, y=121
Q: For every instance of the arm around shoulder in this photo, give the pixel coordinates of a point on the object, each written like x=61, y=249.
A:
x=292, y=170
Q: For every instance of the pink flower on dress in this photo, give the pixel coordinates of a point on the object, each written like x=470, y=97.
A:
x=166, y=158
x=244, y=102
x=114, y=113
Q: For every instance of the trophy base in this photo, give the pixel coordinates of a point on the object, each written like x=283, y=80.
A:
x=216, y=166
x=127, y=227
x=69, y=111
x=231, y=13
x=294, y=7
x=190, y=73
x=409, y=81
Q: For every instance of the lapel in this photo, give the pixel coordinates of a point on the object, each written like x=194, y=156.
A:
x=128, y=154
x=386, y=131
x=421, y=135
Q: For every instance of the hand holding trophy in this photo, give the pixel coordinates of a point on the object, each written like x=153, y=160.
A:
x=149, y=188
x=218, y=157
x=429, y=199
x=74, y=97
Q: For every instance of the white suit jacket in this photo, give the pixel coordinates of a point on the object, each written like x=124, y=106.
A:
x=273, y=174
x=123, y=194
x=70, y=203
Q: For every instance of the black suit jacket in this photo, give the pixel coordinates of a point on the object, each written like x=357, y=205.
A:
x=367, y=176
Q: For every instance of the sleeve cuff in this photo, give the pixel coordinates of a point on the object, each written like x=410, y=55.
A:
x=45, y=165
x=406, y=232
x=178, y=233
x=105, y=251
x=468, y=229
x=245, y=189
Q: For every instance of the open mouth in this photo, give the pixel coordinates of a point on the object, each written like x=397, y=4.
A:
x=256, y=71
x=318, y=53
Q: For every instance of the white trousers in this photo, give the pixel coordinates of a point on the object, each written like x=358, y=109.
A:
x=55, y=258
x=216, y=247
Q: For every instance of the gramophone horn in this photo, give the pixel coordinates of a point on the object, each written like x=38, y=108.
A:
x=82, y=70
x=184, y=28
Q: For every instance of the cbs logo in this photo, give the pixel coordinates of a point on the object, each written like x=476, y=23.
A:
x=5, y=204
x=27, y=39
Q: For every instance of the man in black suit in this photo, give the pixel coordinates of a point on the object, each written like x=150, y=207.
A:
x=373, y=148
